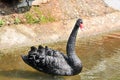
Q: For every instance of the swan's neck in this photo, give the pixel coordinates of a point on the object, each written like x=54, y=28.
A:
x=71, y=42
x=73, y=59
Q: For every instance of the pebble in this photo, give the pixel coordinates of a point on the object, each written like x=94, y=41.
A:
x=2, y=12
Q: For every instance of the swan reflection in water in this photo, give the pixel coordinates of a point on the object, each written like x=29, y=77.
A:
x=23, y=74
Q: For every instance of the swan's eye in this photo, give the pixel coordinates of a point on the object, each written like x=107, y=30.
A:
x=81, y=22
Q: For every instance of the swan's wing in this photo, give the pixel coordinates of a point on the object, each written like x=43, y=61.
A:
x=49, y=61
x=56, y=65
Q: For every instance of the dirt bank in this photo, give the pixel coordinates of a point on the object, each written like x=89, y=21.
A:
x=27, y=35
x=57, y=9
x=97, y=17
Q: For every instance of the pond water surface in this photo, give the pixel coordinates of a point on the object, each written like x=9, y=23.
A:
x=100, y=57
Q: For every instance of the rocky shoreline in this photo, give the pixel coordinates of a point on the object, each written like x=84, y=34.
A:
x=98, y=19
x=27, y=35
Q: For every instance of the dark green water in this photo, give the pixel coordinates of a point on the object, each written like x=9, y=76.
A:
x=100, y=57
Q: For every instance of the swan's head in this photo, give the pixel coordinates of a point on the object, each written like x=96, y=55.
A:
x=79, y=23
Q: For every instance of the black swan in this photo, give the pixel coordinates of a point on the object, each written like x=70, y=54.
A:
x=54, y=62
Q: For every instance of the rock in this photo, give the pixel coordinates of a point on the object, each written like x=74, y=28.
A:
x=2, y=12
x=12, y=37
x=38, y=2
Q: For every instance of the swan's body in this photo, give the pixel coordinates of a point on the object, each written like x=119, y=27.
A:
x=54, y=62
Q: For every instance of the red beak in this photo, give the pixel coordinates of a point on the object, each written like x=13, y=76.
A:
x=81, y=26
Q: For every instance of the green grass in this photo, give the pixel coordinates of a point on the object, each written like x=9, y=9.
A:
x=17, y=21
x=29, y=18
x=2, y=22
x=36, y=16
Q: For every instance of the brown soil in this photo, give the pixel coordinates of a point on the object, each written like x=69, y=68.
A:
x=59, y=9
x=96, y=15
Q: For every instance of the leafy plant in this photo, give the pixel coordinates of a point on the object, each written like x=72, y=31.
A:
x=29, y=18
x=17, y=21
x=36, y=16
x=1, y=22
